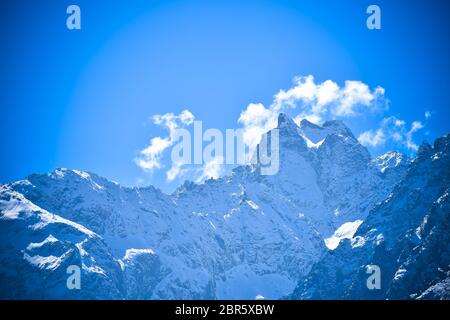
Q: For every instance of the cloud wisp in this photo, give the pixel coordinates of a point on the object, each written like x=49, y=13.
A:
x=395, y=130
x=149, y=159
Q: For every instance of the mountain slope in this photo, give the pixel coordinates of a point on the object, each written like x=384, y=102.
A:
x=240, y=236
x=406, y=236
x=37, y=247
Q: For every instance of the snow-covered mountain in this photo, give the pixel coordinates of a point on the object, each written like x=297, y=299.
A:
x=240, y=236
x=407, y=236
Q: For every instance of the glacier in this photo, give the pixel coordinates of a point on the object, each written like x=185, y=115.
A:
x=242, y=236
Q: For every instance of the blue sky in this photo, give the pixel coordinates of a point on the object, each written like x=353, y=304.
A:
x=84, y=99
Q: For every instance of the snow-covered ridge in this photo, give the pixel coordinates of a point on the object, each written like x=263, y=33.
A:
x=241, y=236
x=390, y=160
x=407, y=236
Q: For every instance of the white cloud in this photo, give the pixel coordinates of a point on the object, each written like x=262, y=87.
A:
x=172, y=121
x=256, y=120
x=416, y=126
x=211, y=169
x=392, y=129
x=149, y=158
x=327, y=98
x=174, y=171
x=372, y=138
x=357, y=96
x=399, y=123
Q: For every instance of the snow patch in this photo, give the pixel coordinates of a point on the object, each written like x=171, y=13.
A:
x=131, y=253
x=252, y=204
x=345, y=231
x=399, y=274
x=311, y=144
x=34, y=245
x=49, y=263
x=82, y=174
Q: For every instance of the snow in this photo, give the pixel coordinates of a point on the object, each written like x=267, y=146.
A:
x=389, y=160
x=253, y=205
x=399, y=274
x=82, y=174
x=132, y=253
x=206, y=239
x=404, y=235
x=358, y=242
x=345, y=231
x=49, y=239
x=311, y=144
x=50, y=262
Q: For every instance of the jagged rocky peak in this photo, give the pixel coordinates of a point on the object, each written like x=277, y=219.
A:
x=305, y=123
x=67, y=179
x=290, y=138
x=285, y=121
x=425, y=149
x=389, y=160
x=406, y=236
x=330, y=139
x=312, y=133
x=185, y=187
x=338, y=126
x=442, y=144
x=439, y=149
x=315, y=134
x=69, y=175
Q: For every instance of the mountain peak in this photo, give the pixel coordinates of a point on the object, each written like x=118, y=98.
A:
x=286, y=121
x=425, y=149
x=338, y=127
x=308, y=124
x=316, y=133
x=389, y=160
